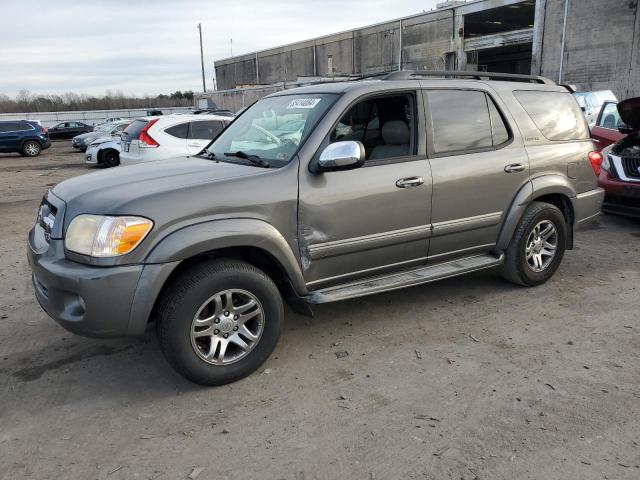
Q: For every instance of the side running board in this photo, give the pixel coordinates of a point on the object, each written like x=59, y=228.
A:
x=408, y=278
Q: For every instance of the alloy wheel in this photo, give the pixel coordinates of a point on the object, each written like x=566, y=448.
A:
x=227, y=326
x=31, y=149
x=541, y=246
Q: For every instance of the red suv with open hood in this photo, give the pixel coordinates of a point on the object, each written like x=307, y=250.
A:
x=620, y=164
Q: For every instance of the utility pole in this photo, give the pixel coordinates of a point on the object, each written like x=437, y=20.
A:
x=204, y=85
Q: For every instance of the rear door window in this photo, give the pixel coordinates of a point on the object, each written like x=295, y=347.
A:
x=14, y=127
x=556, y=114
x=206, y=130
x=179, y=131
x=460, y=120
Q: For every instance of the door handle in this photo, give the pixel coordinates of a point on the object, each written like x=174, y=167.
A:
x=514, y=167
x=409, y=182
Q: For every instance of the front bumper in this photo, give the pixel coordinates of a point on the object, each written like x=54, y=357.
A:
x=91, y=156
x=93, y=301
x=622, y=197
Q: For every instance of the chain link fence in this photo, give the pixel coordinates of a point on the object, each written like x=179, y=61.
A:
x=90, y=117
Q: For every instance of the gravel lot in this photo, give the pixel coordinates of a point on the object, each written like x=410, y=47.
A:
x=466, y=378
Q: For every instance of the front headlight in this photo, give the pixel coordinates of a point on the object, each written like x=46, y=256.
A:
x=103, y=236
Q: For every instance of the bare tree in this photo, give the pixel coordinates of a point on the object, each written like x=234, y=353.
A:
x=27, y=102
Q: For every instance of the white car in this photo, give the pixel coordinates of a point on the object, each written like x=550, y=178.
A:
x=591, y=102
x=157, y=138
x=104, y=151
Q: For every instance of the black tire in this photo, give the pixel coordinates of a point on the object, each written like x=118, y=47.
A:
x=187, y=293
x=516, y=269
x=110, y=158
x=31, y=148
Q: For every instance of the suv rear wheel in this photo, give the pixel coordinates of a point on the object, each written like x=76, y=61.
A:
x=31, y=149
x=219, y=321
x=537, y=246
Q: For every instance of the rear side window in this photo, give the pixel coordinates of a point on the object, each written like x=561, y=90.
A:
x=15, y=127
x=464, y=120
x=134, y=129
x=556, y=114
x=179, y=131
x=207, y=130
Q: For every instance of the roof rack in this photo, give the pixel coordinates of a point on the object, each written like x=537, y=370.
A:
x=411, y=74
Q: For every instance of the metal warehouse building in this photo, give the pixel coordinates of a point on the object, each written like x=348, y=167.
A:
x=591, y=43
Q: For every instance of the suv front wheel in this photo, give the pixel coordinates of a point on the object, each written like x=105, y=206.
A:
x=219, y=321
x=537, y=246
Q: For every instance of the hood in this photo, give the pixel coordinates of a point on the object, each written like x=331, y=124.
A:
x=107, y=138
x=82, y=136
x=629, y=111
x=113, y=191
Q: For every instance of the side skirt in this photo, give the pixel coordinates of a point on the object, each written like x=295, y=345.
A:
x=395, y=281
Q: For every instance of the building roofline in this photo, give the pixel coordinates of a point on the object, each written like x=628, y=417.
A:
x=469, y=5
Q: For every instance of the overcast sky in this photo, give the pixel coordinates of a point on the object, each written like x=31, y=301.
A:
x=151, y=46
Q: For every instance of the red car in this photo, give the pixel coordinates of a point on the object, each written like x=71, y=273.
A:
x=620, y=163
x=605, y=131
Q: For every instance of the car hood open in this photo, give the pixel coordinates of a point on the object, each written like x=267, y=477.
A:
x=629, y=111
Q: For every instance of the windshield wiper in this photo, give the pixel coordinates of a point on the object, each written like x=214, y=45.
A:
x=206, y=154
x=255, y=159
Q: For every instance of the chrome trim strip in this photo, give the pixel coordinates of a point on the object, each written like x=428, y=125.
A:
x=360, y=273
x=367, y=242
x=464, y=224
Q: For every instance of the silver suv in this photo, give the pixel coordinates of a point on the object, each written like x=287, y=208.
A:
x=314, y=195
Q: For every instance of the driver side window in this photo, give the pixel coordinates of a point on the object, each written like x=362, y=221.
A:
x=384, y=125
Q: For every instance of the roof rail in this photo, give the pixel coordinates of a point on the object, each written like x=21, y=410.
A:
x=412, y=74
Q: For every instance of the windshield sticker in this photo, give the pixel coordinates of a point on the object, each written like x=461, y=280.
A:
x=303, y=103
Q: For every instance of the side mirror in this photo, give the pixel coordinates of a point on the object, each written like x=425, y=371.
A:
x=625, y=129
x=584, y=109
x=342, y=156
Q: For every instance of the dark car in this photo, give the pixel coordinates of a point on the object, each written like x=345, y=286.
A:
x=26, y=137
x=620, y=167
x=68, y=130
x=605, y=131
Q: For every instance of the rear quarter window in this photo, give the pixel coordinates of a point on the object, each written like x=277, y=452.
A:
x=556, y=114
x=134, y=129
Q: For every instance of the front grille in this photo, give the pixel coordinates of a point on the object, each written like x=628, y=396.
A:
x=631, y=166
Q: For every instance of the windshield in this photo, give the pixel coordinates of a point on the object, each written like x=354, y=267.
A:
x=273, y=128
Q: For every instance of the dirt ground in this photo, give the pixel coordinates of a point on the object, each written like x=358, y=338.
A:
x=467, y=378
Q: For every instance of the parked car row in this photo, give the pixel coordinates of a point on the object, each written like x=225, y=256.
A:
x=115, y=128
